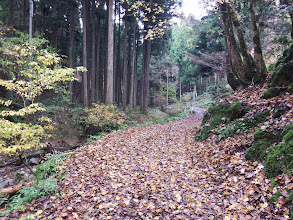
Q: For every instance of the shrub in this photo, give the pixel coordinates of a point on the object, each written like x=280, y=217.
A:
x=29, y=70
x=102, y=118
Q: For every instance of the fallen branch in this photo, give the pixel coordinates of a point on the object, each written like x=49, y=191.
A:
x=18, y=162
x=14, y=189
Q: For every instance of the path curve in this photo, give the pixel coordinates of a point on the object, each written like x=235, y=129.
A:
x=136, y=173
x=159, y=172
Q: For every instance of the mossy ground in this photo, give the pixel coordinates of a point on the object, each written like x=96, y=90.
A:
x=218, y=114
x=275, y=149
x=228, y=115
x=283, y=69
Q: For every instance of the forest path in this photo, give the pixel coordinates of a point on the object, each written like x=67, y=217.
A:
x=135, y=173
x=154, y=172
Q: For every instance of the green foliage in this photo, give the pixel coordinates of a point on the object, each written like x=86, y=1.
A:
x=102, y=118
x=178, y=116
x=245, y=125
x=217, y=90
x=92, y=138
x=171, y=93
x=33, y=69
x=44, y=184
x=49, y=166
x=28, y=194
x=224, y=132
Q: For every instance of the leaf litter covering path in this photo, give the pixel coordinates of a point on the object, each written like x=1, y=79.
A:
x=159, y=172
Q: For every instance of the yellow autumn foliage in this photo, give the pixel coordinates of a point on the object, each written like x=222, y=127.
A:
x=31, y=69
x=18, y=137
x=104, y=117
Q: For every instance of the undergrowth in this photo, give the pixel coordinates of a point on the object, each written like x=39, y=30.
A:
x=46, y=182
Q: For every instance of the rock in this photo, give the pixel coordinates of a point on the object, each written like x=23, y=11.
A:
x=6, y=183
x=34, y=161
x=20, y=177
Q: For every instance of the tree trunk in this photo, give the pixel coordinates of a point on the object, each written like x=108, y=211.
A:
x=110, y=55
x=247, y=60
x=133, y=73
x=289, y=4
x=146, y=75
x=167, y=92
x=11, y=12
x=135, y=91
x=260, y=63
x=118, y=61
x=93, y=67
x=25, y=13
x=194, y=94
x=124, y=84
x=180, y=91
x=71, y=46
x=238, y=70
x=98, y=40
x=291, y=16
x=84, y=53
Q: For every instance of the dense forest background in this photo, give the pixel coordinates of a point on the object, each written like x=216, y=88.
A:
x=139, y=56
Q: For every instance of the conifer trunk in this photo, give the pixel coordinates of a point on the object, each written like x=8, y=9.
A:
x=133, y=73
x=98, y=40
x=71, y=46
x=118, y=62
x=93, y=58
x=84, y=53
x=124, y=84
x=110, y=55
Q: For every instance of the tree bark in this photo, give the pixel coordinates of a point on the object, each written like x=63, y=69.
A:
x=146, y=75
x=98, y=40
x=93, y=66
x=84, y=53
x=71, y=46
x=118, y=61
x=133, y=73
x=110, y=55
x=124, y=84
x=238, y=71
x=167, y=95
x=135, y=90
x=247, y=60
x=25, y=13
x=289, y=4
x=11, y=12
x=180, y=92
x=260, y=63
